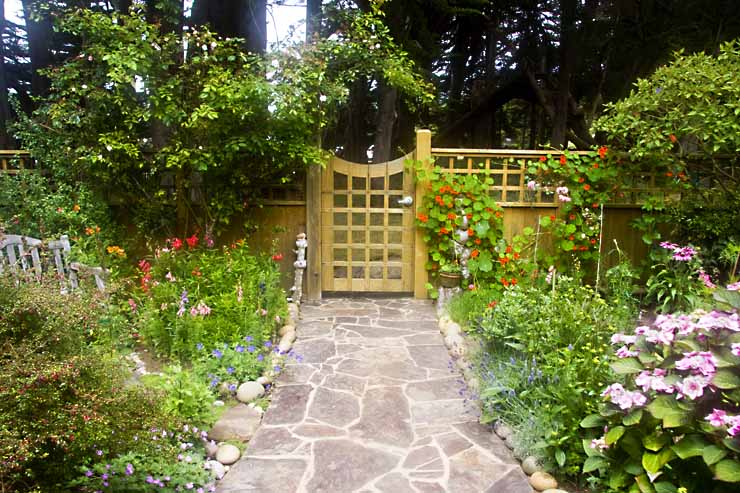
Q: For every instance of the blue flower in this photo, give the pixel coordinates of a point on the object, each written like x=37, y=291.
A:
x=230, y=370
x=199, y=346
x=232, y=387
x=239, y=348
x=214, y=382
x=217, y=353
x=250, y=349
x=268, y=344
x=260, y=357
x=276, y=369
x=249, y=338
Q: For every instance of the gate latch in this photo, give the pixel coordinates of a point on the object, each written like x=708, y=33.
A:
x=406, y=201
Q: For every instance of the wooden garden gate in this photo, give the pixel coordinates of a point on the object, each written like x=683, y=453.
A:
x=367, y=235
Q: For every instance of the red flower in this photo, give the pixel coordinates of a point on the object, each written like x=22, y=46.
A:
x=596, y=166
x=474, y=253
x=543, y=159
x=516, y=256
x=552, y=218
x=593, y=242
x=192, y=241
x=673, y=138
x=423, y=218
x=581, y=179
x=572, y=217
x=176, y=243
x=587, y=187
x=471, y=232
x=492, y=304
x=469, y=216
x=602, y=151
x=196, y=272
x=505, y=282
x=595, y=205
x=570, y=237
x=563, y=159
x=513, y=281
x=443, y=230
x=477, y=241
x=277, y=257
x=584, y=248
x=451, y=216
x=508, y=249
x=145, y=266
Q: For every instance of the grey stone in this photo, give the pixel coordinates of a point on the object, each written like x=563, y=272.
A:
x=393, y=483
x=210, y=447
x=440, y=412
x=227, y=454
x=531, y=465
x=334, y=407
x=554, y=490
x=420, y=456
x=315, y=350
x=264, y=380
x=288, y=404
x=218, y=403
x=264, y=476
x=542, y=481
x=482, y=436
x=272, y=441
x=345, y=382
x=238, y=423
x=429, y=356
x=293, y=374
x=286, y=343
x=344, y=466
x=513, y=481
x=218, y=470
x=249, y=391
x=452, y=443
x=385, y=417
x=285, y=329
x=318, y=431
x=432, y=390
x=502, y=430
x=425, y=487
x=472, y=470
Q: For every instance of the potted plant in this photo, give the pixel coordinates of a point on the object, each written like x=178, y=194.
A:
x=450, y=275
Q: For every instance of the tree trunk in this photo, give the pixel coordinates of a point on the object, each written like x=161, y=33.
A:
x=39, y=48
x=387, y=115
x=356, y=140
x=253, y=25
x=567, y=56
x=5, y=141
x=313, y=19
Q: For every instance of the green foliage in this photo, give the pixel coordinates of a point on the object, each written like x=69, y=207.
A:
x=463, y=228
x=154, y=120
x=186, y=396
x=170, y=461
x=191, y=295
x=673, y=424
x=674, y=283
x=582, y=183
x=60, y=395
x=547, y=355
x=229, y=365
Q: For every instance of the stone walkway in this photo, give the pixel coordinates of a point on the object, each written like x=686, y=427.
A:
x=373, y=406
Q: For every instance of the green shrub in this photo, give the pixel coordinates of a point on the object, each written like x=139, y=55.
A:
x=186, y=396
x=547, y=354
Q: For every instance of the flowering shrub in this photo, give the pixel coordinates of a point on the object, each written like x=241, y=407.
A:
x=59, y=394
x=170, y=462
x=676, y=422
x=190, y=294
x=582, y=183
x=556, y=343
x=230, y=365
x=463, y=228
x=677, y=279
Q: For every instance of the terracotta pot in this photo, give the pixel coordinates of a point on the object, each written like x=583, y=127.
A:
x=450, y=279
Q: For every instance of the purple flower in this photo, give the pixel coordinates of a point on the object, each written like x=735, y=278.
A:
x=268, y=344
x=104, y=477
x=684, y=254
x=218, y=354
x=232, y=387
x=249, y=338
x=214, y=382
x=251, y=349
x=129, y=469
x=149, y=479
x=199, y=346
x=260, y=357
x=99, y=452
x=717, y=418
x=276, y=369
x=239, y=348
x=230, y=370
x=88, y=473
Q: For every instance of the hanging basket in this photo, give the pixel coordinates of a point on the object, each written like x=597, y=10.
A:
x=450, y=279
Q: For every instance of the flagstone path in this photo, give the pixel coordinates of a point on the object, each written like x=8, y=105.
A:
x=375, y=405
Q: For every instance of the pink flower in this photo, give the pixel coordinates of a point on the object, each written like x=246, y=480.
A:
x=621, y=338
x=132, y=304
x=564, y=198
x=736, y=348
x=170, y=277
x=704, y=277
x=623, y=398
x=624, y=352
x=654, y=382
x=684, y=254
x=692, y=387
x=717, y=418
x=703, y=362
x=668, y=245
x=532, y=185
x=562, y=190
x=599, y=444
x=176, y=243
x=735, y=286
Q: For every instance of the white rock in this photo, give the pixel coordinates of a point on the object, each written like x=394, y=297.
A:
x=218, y=403
x=249, y=391
x=453, y=328
x=502, y=430
x=264, y=380
x=218, y=470
x=531, y=465
x=227, y=454
x=542, y=481
x=285, y=344
x=285, y=329
x=554, y=490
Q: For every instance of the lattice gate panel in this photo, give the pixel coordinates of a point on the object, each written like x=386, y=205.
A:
x=367, y=237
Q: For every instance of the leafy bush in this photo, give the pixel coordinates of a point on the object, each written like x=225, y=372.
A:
x=60, y=395
x=677, y=279
x=547, y=354
x=675, y=423
x=192, y=295
x=185, y=396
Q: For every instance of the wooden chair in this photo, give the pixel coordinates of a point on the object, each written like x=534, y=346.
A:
x=21, y=256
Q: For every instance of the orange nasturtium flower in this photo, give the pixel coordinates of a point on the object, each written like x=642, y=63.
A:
x=673, y=138
x=423, y=217
x=474, y=253
x=543, y=159
x=602, y=151
x=443, y=230
x=471, y=232
x=76, y=208
x=563, y=159
x=477, y=241
x=587, y=187
x=451, y=216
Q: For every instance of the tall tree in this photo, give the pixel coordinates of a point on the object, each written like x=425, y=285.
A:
x=5, y=141
x=39, y=31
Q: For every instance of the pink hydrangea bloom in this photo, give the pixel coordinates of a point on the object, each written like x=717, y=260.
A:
x=717, y=417
x=735, y=286
x=698, y=362
x=625, y=352
x=623, y=339
x=692, y=387
x=736, y=348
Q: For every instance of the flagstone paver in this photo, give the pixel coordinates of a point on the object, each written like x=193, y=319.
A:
x=374, y=405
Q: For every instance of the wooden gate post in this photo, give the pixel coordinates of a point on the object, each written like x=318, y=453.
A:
x=313, y=232
x=423, y=155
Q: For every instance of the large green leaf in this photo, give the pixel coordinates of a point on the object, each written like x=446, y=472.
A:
x=626, y=366
x=665, y=487
x=632, y=418
x=614, y=434
x=726, y=379
x=656, y=441
x=593, y=463
x=713, y=454
x=653, y=462
x=593, y=421
x=728, y=470
x=690, y=446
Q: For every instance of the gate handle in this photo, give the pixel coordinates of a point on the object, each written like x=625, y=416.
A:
x=406, y=201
